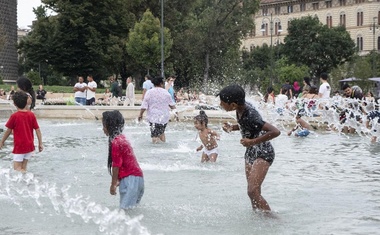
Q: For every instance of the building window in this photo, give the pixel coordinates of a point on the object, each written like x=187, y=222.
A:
x=342, y=2
x=265, y=32
x=328, y=4
x=378, y=43
x=342, y=19
x=315, y=5
x=252, y=47
x=359, y=19
x=303, y=6
x=359, y=43
x=277, y=10
x=329, y=21
x=265, y=11
x=290, y=8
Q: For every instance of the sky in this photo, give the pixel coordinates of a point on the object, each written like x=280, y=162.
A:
x=25, y=14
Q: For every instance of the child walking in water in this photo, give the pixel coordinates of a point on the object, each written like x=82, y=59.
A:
x=122, y=164
x=22, y=124
x=208, y=138
x=256, y=133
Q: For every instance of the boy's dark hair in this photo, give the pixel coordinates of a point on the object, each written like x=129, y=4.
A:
x=202, y=118
x=148, y=76
x=324, y=76
x=157, y=81
x=114, y=122
x=345, y=86
x=26, y=85
x=20, y=99
x=232, y=94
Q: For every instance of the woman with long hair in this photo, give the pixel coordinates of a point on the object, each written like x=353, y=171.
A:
x=26, y=85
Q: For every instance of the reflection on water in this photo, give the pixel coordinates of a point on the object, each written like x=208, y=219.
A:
x=326, y=183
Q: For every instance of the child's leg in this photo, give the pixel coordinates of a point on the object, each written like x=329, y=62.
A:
x=24, y=164
x=17, y=166
x=255, y=174
x=213, y=157
x=204, y=158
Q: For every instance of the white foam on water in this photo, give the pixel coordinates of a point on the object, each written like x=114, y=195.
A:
x=18, y=188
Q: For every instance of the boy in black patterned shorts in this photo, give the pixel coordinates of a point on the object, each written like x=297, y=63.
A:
x=256, y=134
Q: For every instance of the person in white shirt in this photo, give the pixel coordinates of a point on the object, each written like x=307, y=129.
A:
x=80, y=91
x=147, y=85
x=158, y=103
x=324, y=88
x=130, y=93
x=91, y=88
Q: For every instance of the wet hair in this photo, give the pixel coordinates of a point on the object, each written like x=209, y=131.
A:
x=157, y=81
x=113, y=121
x=202, y=118
x=324, y=76
x=20, y=99
x=313, y=89
x=345, y=86
x=269, y=90
x=26, y=85
x=307, y=81
x=232, y=94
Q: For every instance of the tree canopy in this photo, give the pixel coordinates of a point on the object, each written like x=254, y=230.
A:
x=321, y=48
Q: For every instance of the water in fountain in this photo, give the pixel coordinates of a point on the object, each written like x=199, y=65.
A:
x=314, y=185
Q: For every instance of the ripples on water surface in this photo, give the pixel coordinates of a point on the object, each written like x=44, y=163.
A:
x=323, y=184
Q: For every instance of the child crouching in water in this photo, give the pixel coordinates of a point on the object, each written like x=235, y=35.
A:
x=256, y=133
x=303, y=126
x=208, y=138
x=122, y=163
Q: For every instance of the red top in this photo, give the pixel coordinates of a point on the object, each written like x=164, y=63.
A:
x=124, y=158
x=23, y=123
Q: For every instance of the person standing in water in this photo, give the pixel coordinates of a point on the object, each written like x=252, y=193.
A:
x=256, y=134
x=122, y=163
x=208, y=138
x=26, y=85
x=22, y=123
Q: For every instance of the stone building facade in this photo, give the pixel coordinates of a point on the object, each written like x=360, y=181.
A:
x=360, y=17
x=8, y=53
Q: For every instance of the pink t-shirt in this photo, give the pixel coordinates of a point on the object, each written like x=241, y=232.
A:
x=156, y=102
x=23, y=123
x=124, y=158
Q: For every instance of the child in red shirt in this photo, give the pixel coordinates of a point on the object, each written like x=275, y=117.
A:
x=122, y=163
x=22, y=123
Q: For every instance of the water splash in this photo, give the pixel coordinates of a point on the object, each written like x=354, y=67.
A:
x=48, y=197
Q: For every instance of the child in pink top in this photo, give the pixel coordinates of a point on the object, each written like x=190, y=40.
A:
x=122, y=163
x=22, y=123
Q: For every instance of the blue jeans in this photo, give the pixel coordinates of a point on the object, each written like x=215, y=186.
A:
x=131, y=190
x=80, y=101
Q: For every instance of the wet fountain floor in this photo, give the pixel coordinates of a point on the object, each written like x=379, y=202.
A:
x=323, y=184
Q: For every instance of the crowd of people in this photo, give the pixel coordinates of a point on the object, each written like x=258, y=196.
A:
x=349, y=111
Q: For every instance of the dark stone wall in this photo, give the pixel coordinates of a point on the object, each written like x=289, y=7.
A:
x=8, y=53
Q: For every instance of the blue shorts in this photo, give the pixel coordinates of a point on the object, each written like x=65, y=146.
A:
x=303, y=133
x=131, y=190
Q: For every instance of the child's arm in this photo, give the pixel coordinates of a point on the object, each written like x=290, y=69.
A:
x=291, y=131
x=271, y=133
x=228, y=127
x=39, y=137
x=5, y=137
x=115, y=180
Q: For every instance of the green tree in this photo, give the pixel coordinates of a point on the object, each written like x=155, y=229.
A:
x=144, y=41
x=321, y=48
x=214, y=28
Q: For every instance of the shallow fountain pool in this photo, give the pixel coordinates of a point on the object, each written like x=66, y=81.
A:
x=326, y=183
